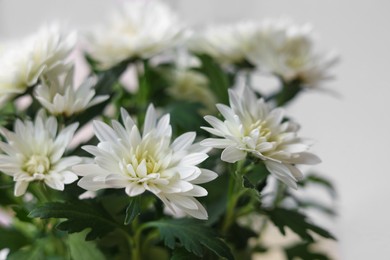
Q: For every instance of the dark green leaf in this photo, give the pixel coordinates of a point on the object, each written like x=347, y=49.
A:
x=133, y=210
x=81, y=249
x=297, y=222
x=80, y=215
x=303, y=251
x=218, y=79
x=192, y=235
x=239, y=236
x=12, y=239
x=182, y=254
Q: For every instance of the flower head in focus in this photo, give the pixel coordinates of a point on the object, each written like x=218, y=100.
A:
x=251, y=127
x=149, y=162
x=140, y=29
x=288, y=51
x=23, y=63
x=227, y=44
x=62, y=98
x=34, y=153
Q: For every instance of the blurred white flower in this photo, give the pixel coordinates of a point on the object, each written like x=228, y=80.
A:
x=227, y=43
x=34, y=153
x=125, y=159
x=288, y=51
x=139, y=29
x=23, y=62
x=62, y=98
x=250, y=126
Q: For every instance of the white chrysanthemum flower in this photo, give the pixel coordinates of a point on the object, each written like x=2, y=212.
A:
x=288, y=51
x=62, y=98
x=34, y=153
x=125, y=159
x=250, y=126
x=227, y=44
x=23, y=63
x=140, y=29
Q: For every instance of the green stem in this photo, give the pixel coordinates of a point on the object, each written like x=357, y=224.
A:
x=233, y=197
x=40, y=192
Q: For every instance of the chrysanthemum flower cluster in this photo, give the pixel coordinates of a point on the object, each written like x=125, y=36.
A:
x=150, y=159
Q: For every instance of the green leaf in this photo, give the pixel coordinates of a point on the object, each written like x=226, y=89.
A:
x=297, y=222
x=133, y=210
x=218, y=79
x=80, y=249
x=304, y=251
x=12, y=238
x=185, y=116
x=192, y=235
x=239, y=236
x=182, y=254
x=80, y=215
x=322, y=181
x=35, y=252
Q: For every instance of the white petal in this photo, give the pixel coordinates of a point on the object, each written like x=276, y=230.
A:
x=217, y=143
x=150, y=120
x=281, y=172
x=194, y=159
x=20, y=188
x=205, y=176
x=69, y=177
x=232, y=155
x=183, y=141
x=134, y=189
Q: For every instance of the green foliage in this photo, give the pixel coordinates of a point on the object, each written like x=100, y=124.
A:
x=12, y=238
x=80, y=249
x=321, y=181
x=80, y=215
x=185, y=116
x=218, y=79
x=297, y=222
x=192, y=235
x=133, y=210
x=304, y=251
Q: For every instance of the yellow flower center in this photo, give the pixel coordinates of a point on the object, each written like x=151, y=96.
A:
x=37, y=164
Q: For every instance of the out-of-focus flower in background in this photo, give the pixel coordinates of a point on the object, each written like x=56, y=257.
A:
x=23, y=62
x=289, y=51
x=140, y=29
x=227, y=44
x=61, y=98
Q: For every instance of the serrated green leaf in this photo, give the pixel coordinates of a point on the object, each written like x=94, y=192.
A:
x=80, y=249
x=80, y=215
x=304, y=251
x=133, y=210
x=192, y=235
x=297, y=222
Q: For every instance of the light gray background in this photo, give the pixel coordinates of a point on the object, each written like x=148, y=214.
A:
x=352, y=132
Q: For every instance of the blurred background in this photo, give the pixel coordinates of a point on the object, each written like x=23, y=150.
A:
x=351, y=128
